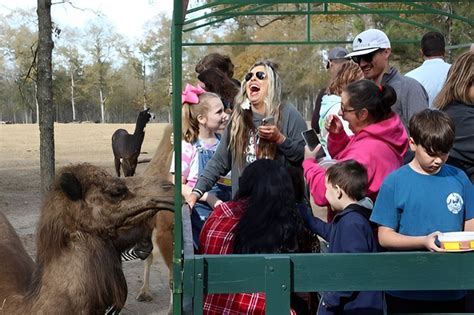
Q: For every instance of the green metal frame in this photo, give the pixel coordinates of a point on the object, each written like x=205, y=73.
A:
x=278, y=275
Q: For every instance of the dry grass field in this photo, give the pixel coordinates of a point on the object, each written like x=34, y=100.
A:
x=74, y=143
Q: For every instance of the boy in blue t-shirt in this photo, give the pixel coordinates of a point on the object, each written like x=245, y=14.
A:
x=421, y=199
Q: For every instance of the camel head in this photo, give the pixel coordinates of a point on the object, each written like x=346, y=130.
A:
x=87, y=202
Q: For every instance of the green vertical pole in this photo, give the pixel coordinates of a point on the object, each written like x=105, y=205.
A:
x=176, y=64
x=199, y=284
x=277, y=285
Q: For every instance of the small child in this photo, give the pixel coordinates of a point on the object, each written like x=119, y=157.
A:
x=420, y=199
x=203, y=117
x=331, y=102
x=349, y=232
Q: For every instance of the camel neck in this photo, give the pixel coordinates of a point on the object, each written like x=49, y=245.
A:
x=75, y=288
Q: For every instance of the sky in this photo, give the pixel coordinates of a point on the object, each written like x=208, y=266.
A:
x=127, y=16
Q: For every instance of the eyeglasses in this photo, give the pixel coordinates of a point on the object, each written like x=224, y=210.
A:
x=260, y=75
x=349, y=110
x=367, y=57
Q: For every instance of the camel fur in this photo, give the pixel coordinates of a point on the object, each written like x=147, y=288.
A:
x=126, y=147
x=162, y=223
x=87, y=219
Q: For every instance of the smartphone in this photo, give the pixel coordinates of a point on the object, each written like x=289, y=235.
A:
x=268, y=121
x=312, y=140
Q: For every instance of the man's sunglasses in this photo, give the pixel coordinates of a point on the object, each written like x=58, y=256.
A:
x=260, y=75
x=367, y=57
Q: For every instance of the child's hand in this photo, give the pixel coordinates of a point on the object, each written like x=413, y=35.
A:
x=191, y=200
x=333, y=124
x=308, y=154
x=213, y=201
x=429, y=242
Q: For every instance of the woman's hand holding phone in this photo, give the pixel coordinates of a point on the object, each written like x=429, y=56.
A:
x=313, y=147
x=269, y=131
x=311, y=154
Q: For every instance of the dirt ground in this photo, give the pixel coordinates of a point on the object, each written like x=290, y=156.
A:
x=75, y=143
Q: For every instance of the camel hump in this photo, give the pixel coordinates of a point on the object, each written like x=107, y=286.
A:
x=17, y=266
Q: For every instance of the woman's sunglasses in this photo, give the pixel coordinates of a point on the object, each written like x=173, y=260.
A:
x=367, y=58
x=260, y=75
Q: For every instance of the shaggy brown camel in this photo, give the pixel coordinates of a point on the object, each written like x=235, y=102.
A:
x=163, y=222
x=86, y=219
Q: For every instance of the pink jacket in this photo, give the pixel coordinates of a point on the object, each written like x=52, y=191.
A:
x=380, y=147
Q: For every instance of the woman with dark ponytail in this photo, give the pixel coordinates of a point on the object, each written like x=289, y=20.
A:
x=379, y=142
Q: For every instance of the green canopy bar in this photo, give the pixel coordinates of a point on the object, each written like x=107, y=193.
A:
x=431, y=10
x=402, y=20
x=312, y=42
x=222, y=19
x=223, y=11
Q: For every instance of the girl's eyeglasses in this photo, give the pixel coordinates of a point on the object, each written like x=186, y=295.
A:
x=260, y=75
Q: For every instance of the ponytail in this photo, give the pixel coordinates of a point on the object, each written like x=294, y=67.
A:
x=389, y=97
x=377, y=99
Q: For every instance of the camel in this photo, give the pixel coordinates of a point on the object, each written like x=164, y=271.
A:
x=163, y=222
x=126, y=147
x=87, y=218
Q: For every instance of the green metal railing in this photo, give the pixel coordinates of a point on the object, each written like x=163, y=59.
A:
x=279, y=275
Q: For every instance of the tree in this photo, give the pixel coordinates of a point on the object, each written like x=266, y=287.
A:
x=68, y=59
x=157, y=51
x=19, y=44
x=101, y=47
x=45, y=94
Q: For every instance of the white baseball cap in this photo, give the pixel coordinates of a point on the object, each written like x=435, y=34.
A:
x=369, y=41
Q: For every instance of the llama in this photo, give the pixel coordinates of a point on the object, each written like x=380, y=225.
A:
x=87, y=219
x=126, y=147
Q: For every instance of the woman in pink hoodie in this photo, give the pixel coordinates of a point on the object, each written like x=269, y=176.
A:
x=379, y=142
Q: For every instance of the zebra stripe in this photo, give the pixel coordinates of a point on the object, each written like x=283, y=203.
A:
x=112, y=310
x=129, y=255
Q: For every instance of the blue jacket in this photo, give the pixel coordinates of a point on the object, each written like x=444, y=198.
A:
x=350, y=232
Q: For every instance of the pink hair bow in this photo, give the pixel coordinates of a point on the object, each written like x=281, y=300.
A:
x=191, y=94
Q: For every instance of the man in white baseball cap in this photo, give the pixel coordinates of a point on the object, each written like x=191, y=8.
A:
x=371, y=50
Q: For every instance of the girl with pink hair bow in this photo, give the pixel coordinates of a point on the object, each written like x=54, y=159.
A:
x=203, y=116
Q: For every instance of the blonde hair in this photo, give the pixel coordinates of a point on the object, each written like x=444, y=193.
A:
x=348, y=72
x=459, y=81
x=242, y=119
x=190, y=115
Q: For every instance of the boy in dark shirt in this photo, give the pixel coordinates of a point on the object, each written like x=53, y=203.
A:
x=349, y=232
